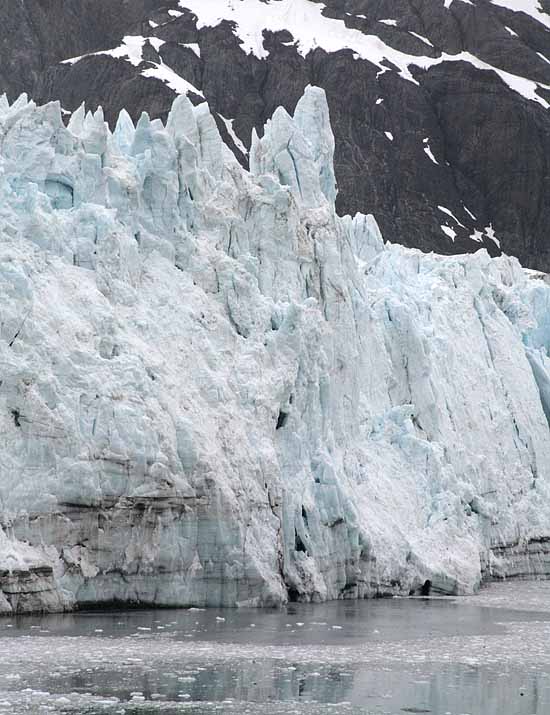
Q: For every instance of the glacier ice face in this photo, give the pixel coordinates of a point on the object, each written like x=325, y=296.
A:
x=215, y=391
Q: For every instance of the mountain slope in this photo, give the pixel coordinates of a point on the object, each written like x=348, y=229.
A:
x=439, y=107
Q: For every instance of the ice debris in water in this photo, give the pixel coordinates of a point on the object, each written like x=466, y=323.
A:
x=215, y=391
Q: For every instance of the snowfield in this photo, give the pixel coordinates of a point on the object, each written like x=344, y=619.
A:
x=214, y=391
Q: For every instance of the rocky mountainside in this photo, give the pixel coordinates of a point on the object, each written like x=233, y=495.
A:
x=215, y=391
x=440, y=108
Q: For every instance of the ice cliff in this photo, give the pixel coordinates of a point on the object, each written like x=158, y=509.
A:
x=215, y=391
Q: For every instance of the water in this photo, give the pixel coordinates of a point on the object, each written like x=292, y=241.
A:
x=489, y=655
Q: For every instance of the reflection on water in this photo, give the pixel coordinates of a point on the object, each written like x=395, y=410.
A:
x=333, y=623
x=395, y=656
x=451, y=689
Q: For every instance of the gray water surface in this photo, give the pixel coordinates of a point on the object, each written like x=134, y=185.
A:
x=482, y=656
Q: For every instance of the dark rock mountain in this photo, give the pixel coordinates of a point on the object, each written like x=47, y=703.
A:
x=451, y=158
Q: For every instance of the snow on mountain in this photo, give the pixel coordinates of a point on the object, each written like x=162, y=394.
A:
x=310, y=29
x=130, y=50
x=532, y=8
x=217, y=392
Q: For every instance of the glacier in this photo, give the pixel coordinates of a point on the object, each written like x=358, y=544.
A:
x=215, y=391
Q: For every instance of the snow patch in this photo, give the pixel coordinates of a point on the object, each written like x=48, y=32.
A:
x=237, y=141
x=192, y=46
x=469, y=212
x=448, y=231
x=131, y=50
x=447, y=211
x=421, y=38
x=528, y=7
x=428, y=151
x=167, y=75
x=490, y=233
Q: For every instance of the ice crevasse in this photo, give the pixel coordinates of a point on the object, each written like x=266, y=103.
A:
x=215, y=391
